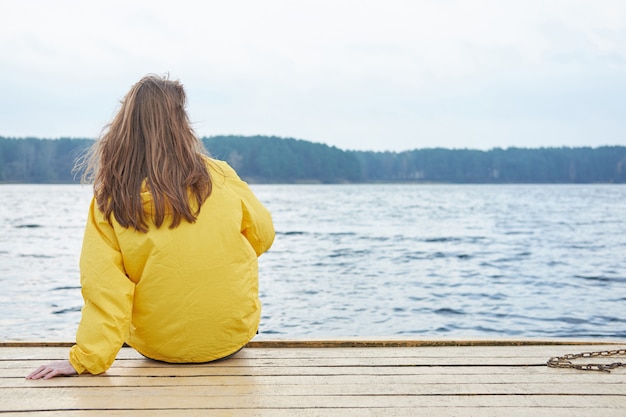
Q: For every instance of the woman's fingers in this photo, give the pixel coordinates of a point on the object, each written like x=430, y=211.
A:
x=51, y=370
x=37, y=373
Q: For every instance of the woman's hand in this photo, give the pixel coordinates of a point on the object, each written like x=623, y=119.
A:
x=63, y=368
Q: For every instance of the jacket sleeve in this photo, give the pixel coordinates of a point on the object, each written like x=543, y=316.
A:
x=256, y=225
x=108, y=298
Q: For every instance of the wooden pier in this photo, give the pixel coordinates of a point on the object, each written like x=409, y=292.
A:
x=326, y=378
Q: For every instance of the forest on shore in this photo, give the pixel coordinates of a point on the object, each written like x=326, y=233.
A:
x=268, y=159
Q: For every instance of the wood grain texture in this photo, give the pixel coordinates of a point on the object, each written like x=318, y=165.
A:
x=324, y=378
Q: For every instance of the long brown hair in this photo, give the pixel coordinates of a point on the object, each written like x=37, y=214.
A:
x=150, y=138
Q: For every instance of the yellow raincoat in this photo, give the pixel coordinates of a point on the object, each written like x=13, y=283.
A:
x=188, y=294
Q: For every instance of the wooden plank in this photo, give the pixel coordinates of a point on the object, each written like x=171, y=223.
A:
x=308, y=359
x=397, y=343
x=261, y=342
x=441, y=411
x=307, y=362
x=521, y=377
x=208, y=401
x=190, y=371
x=532, y=353
x=19, y=393
x=364, y=374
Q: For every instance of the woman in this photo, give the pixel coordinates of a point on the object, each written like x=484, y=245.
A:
x=169, y=257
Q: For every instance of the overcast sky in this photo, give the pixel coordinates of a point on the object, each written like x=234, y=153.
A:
x=371, y=75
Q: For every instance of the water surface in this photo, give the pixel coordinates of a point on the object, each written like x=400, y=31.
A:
x=430, y=261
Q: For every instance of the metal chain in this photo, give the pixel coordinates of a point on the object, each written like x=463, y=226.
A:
x=565, y=361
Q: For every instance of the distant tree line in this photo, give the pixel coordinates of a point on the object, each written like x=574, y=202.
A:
x=277, y=160
x=32, y=160
x=263, y=159
x=605, y=164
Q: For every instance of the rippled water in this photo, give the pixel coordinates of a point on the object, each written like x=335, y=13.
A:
x=370, y=260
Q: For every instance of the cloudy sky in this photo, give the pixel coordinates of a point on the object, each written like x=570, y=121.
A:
x=356, y=74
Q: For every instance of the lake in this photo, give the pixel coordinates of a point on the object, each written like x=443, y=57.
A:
x=420, y=261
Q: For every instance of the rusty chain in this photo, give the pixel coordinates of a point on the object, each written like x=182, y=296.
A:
x=565, y=361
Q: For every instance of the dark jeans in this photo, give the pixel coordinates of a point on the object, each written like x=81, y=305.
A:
x=183, y=363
